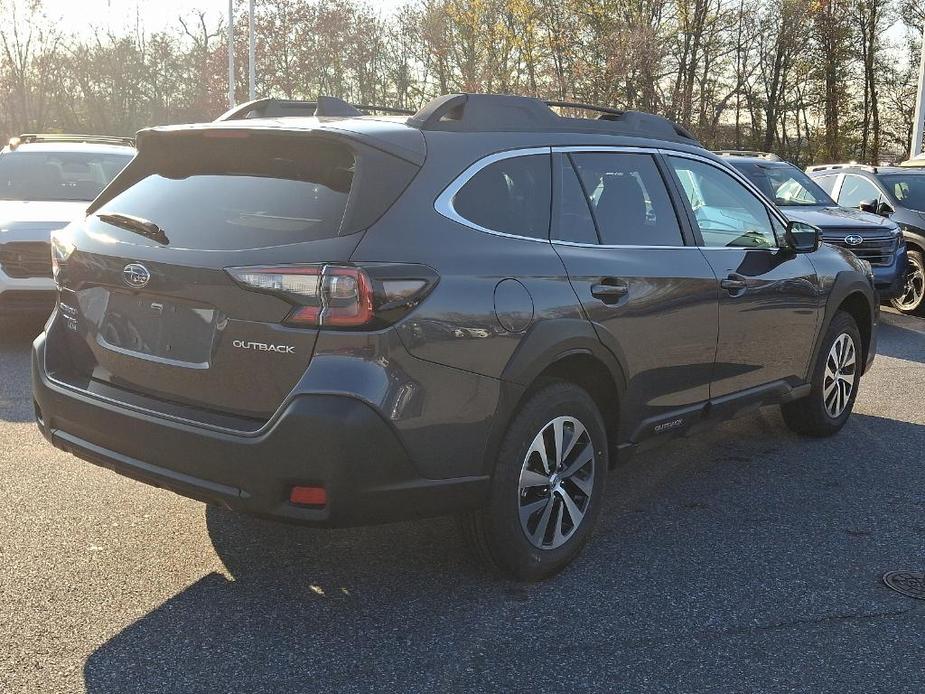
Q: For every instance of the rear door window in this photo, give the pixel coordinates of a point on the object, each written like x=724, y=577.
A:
x=234, y=194
x=628, y=199
x=511, y=196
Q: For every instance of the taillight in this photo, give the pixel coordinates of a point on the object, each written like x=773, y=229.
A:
x=341, y=296
x=62, y=246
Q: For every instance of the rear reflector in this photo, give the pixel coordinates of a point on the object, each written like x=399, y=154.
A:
x=309, y=496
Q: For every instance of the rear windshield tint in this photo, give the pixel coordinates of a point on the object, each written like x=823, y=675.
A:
x=231, y=194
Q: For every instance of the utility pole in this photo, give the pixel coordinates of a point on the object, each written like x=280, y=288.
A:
x=251, y=67
x=917, y=125
x=231, y=103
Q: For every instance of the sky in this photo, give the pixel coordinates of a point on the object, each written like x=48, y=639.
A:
x=83, y=15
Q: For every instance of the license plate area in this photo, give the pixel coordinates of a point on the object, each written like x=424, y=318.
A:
x=152, y=327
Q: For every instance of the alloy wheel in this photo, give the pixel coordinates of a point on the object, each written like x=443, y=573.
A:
x=914, y=289
x=840, y=375
x=556, y=482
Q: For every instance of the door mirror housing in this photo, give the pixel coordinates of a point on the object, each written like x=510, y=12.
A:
x=885, y=209
x=802, y=237
x=868, y=206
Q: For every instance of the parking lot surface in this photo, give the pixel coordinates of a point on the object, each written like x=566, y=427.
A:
x=743, y=560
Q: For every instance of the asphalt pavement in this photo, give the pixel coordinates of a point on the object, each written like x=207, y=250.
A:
x=743, y=560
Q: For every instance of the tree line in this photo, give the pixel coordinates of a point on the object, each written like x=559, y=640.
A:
x=812, y=80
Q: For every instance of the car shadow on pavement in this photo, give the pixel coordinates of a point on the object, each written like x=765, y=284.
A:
x=16, y=338
x=744, y=556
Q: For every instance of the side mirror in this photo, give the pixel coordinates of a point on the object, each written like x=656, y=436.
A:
x=885, y=209
x=802, y=237
x=868, y=206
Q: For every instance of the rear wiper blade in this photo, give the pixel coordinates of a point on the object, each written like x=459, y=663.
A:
x=137, y=224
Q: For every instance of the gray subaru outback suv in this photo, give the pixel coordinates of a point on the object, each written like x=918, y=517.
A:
x=479, y=309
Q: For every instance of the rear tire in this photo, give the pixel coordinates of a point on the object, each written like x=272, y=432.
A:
x=543, y=505
x=911, y=299
x=835, y=382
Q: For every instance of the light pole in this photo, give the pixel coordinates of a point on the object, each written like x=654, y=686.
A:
x=916, y=146
x=251, y=68
x=231, y=54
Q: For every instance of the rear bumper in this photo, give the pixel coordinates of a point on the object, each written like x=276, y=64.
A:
x=334, y=441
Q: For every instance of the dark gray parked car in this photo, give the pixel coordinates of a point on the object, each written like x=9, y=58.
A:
x=479, y=309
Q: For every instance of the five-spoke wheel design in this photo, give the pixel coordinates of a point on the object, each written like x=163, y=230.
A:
x=556, y=482
x=840, y=375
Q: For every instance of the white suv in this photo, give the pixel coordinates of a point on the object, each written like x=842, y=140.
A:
x=46, y=181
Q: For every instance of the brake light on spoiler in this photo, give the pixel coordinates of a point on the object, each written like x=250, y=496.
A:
x=341, y=296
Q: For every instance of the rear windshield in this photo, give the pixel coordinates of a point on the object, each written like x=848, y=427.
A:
x=249, y=193
x=58, y=175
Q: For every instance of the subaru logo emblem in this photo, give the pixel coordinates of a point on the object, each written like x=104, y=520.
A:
x=854, y=240
x=136, y=275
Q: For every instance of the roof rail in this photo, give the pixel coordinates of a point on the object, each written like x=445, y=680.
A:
x=833, y=167
x=271, y=107
x=770, y=156
x=30, y=138
x=500, y=112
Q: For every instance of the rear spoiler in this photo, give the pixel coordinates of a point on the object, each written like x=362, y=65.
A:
x=396, y=139
x=325, y=106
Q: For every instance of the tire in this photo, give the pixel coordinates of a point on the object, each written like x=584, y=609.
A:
x=497, y=533
x=911, y=299
x=826, y=409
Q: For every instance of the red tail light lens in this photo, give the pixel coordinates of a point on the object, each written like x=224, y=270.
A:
x=339, y=296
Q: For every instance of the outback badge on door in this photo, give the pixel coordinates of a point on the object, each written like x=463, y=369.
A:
x=136, y=275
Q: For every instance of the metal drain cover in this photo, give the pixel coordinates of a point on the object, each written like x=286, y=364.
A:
x=909, y=583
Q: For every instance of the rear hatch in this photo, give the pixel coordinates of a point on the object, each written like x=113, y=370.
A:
x=147, y=307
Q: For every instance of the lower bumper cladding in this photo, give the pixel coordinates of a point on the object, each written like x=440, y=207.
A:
x=335, y=444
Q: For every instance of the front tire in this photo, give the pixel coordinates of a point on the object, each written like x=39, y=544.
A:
x=835, y=382
x=547, y=488
x=911, y=299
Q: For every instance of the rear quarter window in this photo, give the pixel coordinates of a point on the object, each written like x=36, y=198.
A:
x=511, y=196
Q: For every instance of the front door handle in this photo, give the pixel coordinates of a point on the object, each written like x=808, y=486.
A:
x=610, y=291
x=734, y=284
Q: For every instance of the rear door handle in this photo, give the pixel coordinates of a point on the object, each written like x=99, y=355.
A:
x=609, y=293
x=734, y=284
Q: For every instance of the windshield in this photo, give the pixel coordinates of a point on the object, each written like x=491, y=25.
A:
x=58, y=175
x=787, y=186
x=907, y=188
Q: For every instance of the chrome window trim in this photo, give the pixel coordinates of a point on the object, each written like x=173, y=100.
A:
x=443, y=205
x=627, y=149
x=444, y=202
